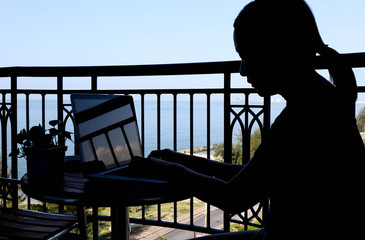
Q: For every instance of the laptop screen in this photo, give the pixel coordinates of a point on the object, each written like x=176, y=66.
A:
x=106, y=128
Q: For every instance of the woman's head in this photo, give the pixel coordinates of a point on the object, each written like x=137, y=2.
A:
x=275, y=35
x=283, y=25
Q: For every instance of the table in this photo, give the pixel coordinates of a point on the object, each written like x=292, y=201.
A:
x=106, y=192
x=72, y=194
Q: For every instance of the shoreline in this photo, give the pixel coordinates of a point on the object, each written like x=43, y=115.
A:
x=196, y=150
x=200, y=152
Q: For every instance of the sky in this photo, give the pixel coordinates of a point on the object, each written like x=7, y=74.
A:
x=134, y=32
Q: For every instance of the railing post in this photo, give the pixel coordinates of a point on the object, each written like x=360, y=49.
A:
x=60, y=104
x=267, y=117
x=94, y=83
x=4, y=141
x=14, y=130
x=158, y=121
x=142, y=124
x=227, y=119
x=191, y=124
x=208, y=126
x=14, y=126
x=267, y=125
x=227, y=134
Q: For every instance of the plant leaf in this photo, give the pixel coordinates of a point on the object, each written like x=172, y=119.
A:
x=67, y=135
x=53, y=132
x=21, y=136
x=37, y=135
x=54, y=123
x=16, y=154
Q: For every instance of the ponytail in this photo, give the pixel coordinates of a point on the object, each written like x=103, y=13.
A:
x=341, y=74
x=262, y=18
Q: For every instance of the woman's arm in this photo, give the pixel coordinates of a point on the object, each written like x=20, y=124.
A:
x=234, y=196
x=224, y=171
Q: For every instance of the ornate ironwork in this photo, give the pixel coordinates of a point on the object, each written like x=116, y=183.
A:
x=245, y=116
x=8, y=192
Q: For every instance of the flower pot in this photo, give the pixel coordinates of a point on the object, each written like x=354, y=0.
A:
x=45, y=167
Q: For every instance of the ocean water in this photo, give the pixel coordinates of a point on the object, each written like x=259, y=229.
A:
x=150, y=125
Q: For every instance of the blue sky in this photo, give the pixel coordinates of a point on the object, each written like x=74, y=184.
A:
x=130, y=32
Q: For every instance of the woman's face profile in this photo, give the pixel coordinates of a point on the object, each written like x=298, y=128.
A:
x=261, y=65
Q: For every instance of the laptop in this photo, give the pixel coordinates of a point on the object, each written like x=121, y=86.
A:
x=108, y=136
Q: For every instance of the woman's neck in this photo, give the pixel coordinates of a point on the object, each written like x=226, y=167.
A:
x=302, y=86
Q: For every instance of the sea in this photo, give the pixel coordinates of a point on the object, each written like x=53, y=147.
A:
x=150, y=124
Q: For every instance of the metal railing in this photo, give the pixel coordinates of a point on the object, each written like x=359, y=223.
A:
x=244, y=115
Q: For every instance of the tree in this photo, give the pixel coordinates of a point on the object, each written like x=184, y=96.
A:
x=360, y=120
x=237, y=147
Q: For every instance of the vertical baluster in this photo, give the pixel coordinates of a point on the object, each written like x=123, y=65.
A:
x=175, y=212
x=175, y=143
x=192, y=211
x=43, y=111
x=159, y=212
x=61, y=141
x=94, y=83
x=4, y=140
x=27, y=128
x=267, y=124
x=14, y=128
x=60, y=103
x=246, y=134
x=191, y=151
x=143, y=212
x=175, y=121
x=208, y=125
x=191, y=123
x=159, y=143
x=208, y=153
x=142, y=124
x=158, y=121
x=95, y=214
x=227, y=135
x=27, y=112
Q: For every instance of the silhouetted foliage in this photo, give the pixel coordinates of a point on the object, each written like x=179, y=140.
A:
x=237, y=147
x=360, y=120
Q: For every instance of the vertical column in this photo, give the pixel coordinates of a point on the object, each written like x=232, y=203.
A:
x=94, y=83
x=142, y=124
x=227, y=119
x=227, y=134
x=60, y=104
x=14, y=126
x=175, y=122
x=120, y=222
x=191, y=123
x=208, y=125
x=14, y=130
x=4, y=140
x=158, y=121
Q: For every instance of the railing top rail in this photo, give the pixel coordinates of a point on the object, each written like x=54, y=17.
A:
x=125, y=70
x=353, y=59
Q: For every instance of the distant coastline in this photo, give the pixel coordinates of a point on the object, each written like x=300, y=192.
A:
x=196, y=150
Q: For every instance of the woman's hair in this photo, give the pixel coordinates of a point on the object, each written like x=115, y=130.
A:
x=290, y=26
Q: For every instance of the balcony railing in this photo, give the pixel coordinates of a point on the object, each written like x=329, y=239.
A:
x=16, y=112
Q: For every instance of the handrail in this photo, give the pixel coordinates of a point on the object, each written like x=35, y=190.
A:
x=353, y=59
x=125, y=70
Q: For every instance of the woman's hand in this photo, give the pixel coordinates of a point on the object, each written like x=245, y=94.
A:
x=165, y=154
x=155, y=168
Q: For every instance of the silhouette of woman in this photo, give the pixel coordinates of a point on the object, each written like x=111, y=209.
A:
x=310, y=164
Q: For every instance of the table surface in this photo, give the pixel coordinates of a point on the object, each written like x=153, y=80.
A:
x=104, y=192
x=114, y=191
x=72, y=192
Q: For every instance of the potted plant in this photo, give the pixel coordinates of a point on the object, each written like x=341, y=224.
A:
x=44, y=154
